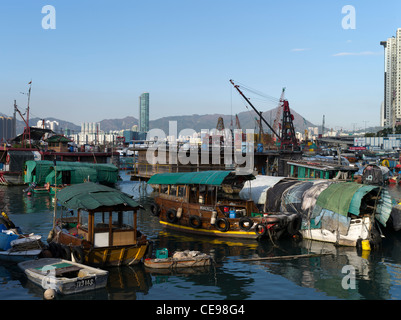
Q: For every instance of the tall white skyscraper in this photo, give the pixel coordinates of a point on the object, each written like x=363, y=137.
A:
x=391, y=108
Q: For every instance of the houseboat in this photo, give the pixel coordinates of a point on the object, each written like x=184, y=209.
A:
x=208, y=203
x=45, y=173
x=319, y=169
x=340, y=212
x=12, y=160
x=103, y=229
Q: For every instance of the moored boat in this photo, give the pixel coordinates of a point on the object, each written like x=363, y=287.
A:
x=63, y=276
x=206, y=203
x=180, y=259
x=16, y=246
x=103, y=230
x=344, y=213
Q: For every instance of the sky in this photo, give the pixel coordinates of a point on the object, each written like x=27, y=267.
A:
x=102, y=55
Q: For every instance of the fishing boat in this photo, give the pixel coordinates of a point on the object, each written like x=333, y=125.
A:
x=344, y=213
x=320, y=168
x=63, y=276
x=102, y=231
x=180, y=259
x=207, y=203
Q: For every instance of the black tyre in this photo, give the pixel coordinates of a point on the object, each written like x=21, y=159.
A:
x=195, y=222
x=245, y=223
x=155, y=209
x=171, y=216
x=222, y=224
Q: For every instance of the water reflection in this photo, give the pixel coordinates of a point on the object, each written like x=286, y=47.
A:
x=378, y=274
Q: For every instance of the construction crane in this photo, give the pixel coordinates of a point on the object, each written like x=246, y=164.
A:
x=257, y=112
x=287, y=139
x=279, y=112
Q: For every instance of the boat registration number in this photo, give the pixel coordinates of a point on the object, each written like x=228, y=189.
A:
x=89, y=282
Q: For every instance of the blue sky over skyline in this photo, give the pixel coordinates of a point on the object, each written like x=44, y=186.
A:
x=103, y=55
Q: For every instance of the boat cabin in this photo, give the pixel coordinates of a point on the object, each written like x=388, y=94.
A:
x=210, y=190
x=309, y=170
x=103, y=228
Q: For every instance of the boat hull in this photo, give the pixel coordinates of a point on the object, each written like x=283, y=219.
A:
x=359, y=229
x=274, y=225
x=45, y=273
x=170, y=263
x=19, y=256
x=210, y=232
x=115, y=256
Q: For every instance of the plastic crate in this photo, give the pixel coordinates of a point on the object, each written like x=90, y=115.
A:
x=162, y=253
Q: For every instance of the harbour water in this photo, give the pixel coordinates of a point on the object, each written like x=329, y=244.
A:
x=328, y=277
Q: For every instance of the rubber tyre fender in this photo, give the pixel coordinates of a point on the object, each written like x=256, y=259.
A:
x=195, y=221
x=149, y=250
x=171, y=215
x=79, y=254
x=155, y=209
x=67, y=253
x=224, y=222
x=242, y=222
x=260, y=229
x=294, y=225
x=56, y=250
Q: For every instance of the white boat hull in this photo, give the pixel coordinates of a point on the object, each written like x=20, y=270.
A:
x=359, y=229
x=44, y=272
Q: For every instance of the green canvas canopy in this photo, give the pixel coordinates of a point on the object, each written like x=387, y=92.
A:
x=212, y=178
x=92, y=196
x=357, y=198
x=344, y=197
x=42, y=172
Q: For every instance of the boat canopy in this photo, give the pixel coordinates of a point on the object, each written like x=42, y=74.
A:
x=92, y=196
x=321, y=199
x=43, y=171
x=211, y=178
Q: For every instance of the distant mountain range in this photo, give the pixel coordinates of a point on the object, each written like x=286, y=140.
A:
x=196, y=122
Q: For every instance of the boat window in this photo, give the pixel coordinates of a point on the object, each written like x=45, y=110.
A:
x=120, y=220
x=193, y=195
x=164, y=188
x=173, y=190
x=181, y=191
x=83, y=219
x=317, y=174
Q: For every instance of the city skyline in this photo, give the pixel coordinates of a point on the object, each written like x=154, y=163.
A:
x=95, y=64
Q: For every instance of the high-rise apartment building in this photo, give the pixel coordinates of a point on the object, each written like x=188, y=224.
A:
x=391, y=107
x=7, y=129
x=144, y=112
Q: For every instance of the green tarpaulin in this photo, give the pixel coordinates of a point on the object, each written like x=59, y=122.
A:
x=92, y=196
x=338, y=196
x=42, y=172
x=357, y=198
x=214, y=178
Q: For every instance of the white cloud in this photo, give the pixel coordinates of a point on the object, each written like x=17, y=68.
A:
x=300, y=49
x=364, y=53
